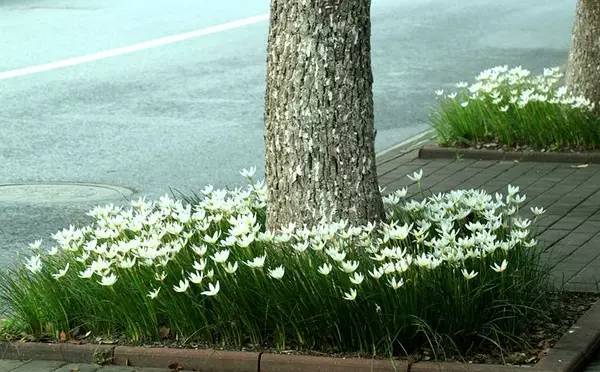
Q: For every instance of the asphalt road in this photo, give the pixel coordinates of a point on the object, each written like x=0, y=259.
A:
x=190, y=113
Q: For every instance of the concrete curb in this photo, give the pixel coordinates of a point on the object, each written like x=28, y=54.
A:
x=570, y=354
x=432, y=151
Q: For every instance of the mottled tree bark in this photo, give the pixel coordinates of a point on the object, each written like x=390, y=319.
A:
x=583, y=72
x=320, y=157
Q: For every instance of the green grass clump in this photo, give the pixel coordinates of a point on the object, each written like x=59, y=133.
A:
x=455, y=270
x=511, y=108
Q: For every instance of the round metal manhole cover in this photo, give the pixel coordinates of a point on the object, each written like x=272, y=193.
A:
x=61, y=193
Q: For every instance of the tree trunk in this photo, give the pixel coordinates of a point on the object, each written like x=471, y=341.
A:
x=320, y=156
x=583, y=72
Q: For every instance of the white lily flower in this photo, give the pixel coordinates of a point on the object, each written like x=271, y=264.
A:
x=231, y=268
x=513, y=190
x=500, y=268
x=439, y=92
x=349, y=266
x=469, y=275
x=154, y=293
x=221, y=256
x=160, y=276
x=377, y=272
x=277, y=273
x=34, y=264
x=537, y=211
x=350, y=296
x=182, y=287
x=357, y=278
x=325, y=269
x=395, y=284
x=200, y=250
x=35, y=245
x=212, y=239
x=127, y=263
x=61, y=273
x=108, y=280
x=416, y=176
x=248, y=173
x=196, y=277
x=212, y=289
x=256, y=262
x=87, y=273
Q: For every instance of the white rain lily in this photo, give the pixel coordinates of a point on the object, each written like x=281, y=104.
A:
x=349, y=266
x=248, y=173
x=127, y=263
x=469, y=274
x=357, y=278
x=212, y=289
x=416, y=176
x=351, y=295
x=395, y=284
x=153, y=293
x=277, y=273
x=212, y=239
x=108, y=280
x=199, y=265
x=231, y=268
x=34, y=264
x=464, y=104
x=500, y=268
x=61, y=273
x=35, y=245
x=196, y=277
x=513, y=190
x=221, y=256
x=439, y=92
x=200, y=250
x=160, y=276
x=256, y=262
x=182, y=286
x=325, y=269
x=537, y=211
x=87, y=273
x=377, y=272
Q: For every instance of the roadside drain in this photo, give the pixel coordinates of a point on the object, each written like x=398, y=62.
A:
x=62, y=193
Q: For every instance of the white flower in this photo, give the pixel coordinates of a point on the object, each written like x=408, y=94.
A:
x=349, y=266
x=182, y=287
x=439, y=92
x=34, y=264
x=257, y=262
x=499, y=268
x=248, y=173
x=35, y=245
x=462, y=84
x=469, y=275
x=196, y=277
x=504, y=108
x=212, y=289
x=325, y=269
x=53, y=251
x=465, y=104
x=395, y=284
x=416, y=176
x=87, y=273
x=277, y=273
x=513, y=190
x=452, y=95
x=212, y=239
x=160, y=276
x=377, y=272
x=231, y=268
x=108, y=280
x=221, y=256
x=127, y=263
x=350, y=296
x=538, y=211
x=153, y=294
x=61, y=273
x=200, y=250
x=357, y=278
x=199, y=265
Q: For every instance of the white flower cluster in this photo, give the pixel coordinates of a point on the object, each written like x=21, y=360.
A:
x=516, y=87
x=208, y=244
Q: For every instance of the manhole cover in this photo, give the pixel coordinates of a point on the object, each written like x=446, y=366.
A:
x=61, y=193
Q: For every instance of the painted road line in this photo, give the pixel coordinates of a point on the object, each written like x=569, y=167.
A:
x=133, y=48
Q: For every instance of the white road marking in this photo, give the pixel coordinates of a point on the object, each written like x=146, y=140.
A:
x=132, y=48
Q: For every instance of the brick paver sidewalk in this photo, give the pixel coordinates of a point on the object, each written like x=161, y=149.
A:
x=569, y=231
